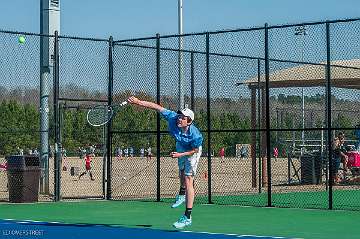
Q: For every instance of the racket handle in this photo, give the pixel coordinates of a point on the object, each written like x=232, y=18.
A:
x=123, y=103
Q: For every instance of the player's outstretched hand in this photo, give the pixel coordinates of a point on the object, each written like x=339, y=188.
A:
x=133, y=100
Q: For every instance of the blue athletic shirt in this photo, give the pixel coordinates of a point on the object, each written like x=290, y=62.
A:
x=184, y=141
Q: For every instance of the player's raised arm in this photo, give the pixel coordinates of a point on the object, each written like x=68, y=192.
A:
x=147, y=104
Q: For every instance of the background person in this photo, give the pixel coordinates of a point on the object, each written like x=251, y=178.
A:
x=222, y=154
x=339, y=156
x=148, y=153
x=357, y=135
x=88, y=161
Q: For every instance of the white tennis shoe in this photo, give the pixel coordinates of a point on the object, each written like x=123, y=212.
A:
x=182, y=222
x=180, y=199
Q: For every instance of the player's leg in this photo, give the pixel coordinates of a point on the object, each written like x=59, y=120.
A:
x=336, y=167
x=82, y=174
x=190, y=195
x=180, y=198
x=185, y=219
x=91, y=175
x=345, y=163
x=190, y=172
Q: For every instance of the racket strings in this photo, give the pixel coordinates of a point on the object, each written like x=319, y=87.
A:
x=99, y=115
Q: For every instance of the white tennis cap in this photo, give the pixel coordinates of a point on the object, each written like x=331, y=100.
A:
x=187, y=112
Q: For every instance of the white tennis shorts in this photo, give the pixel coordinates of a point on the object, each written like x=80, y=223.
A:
x=189, y=164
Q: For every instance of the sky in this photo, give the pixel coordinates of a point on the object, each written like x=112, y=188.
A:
x=143, y=18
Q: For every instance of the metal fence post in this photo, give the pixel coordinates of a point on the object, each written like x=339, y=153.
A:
x=328, y=113
x=208, y=114
x=158, y=136
x=57, y=163
x=259, y=122
x=109, y=125
x=267, y=112
x=192, y=83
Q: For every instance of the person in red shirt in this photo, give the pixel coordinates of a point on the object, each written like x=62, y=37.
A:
x=276, y=152
x=87, y=167
x=222, y=154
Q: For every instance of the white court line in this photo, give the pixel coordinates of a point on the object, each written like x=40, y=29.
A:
x=33, y=221
x=28, y=221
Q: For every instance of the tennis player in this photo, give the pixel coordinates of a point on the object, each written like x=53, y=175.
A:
x=188, y=151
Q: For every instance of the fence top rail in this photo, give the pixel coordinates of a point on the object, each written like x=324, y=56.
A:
x=83, y=38
x=24, y=33
x=315, y=23
x=51, y=35
x=135, y=39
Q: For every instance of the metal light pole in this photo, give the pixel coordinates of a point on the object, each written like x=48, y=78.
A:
x=180, y=56
x=49, y=23
x=301, y=31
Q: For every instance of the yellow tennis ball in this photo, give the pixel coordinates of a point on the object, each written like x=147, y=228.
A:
x=21, y=39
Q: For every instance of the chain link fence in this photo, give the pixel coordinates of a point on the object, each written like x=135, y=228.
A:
x=20, y=103
x=83, y=84
x=273, y=99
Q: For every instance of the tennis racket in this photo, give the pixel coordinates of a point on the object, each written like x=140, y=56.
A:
x=102, y=114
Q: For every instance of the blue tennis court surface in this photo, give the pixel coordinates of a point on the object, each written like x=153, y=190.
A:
x=11, y=229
